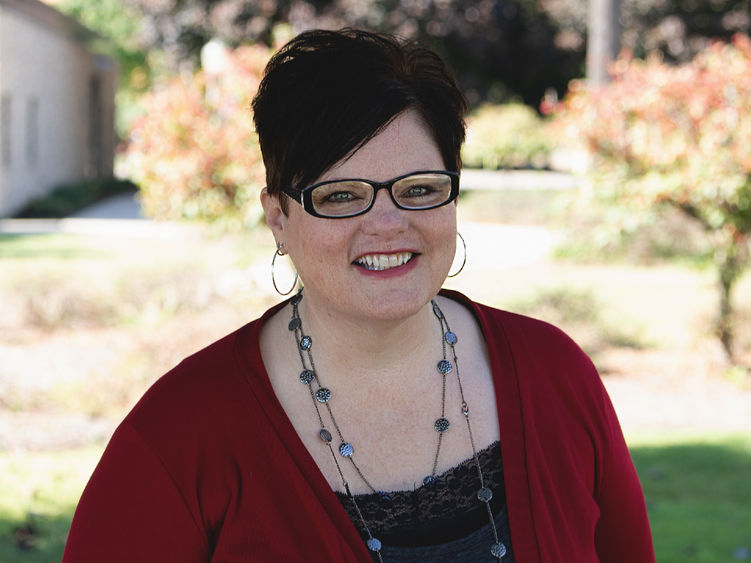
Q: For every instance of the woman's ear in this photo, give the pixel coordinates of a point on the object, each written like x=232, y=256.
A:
x=274, y=215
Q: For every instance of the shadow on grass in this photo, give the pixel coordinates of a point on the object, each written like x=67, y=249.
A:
x=699, y=499
x=36, y=537
x=698, y=496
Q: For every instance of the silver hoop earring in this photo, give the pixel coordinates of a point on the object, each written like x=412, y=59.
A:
x=280, y=252
x=464, y=260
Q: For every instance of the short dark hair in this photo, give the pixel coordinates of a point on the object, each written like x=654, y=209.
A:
x=326, y=93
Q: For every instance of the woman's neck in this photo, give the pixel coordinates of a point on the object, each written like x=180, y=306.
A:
x=370, y=345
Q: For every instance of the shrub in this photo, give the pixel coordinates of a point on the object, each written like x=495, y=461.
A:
x=675, y=136
x=579, y=313
x=194, y=152
x=505, y=136
x=69, y=198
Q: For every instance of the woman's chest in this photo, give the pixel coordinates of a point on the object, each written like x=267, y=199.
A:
x=395, y=439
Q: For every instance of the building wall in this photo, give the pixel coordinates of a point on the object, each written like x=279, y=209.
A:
x=56, y=105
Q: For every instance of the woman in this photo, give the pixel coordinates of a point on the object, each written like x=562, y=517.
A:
x=341, y=426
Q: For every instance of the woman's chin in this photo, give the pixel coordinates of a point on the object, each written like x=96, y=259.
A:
x=395, y=304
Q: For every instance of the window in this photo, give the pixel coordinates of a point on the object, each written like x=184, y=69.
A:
x=5, y=129
x=95, y=126
x=32, y=131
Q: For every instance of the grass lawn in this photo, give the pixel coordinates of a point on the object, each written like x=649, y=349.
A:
x=698, y=495
x=38, y=494
x=698, y=492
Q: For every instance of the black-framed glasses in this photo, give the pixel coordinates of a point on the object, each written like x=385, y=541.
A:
x=339, y=199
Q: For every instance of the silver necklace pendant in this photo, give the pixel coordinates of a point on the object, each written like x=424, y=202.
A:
x=321, y=397
x=498, y=550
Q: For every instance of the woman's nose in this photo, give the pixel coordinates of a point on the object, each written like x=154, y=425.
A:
x=384, y=217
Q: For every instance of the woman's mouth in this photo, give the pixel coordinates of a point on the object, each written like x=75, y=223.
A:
x=379, y=262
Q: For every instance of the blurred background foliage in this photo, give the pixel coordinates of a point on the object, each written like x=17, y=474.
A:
x=506, y=136
x=671, y=132
x=119, y=24
x=679, y=137
x=668, y=149
x=194, y=150
x=501, y=50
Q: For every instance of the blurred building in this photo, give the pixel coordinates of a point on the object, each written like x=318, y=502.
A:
x=57, y=102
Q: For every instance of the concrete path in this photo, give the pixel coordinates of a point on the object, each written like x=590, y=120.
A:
x=121, y=206
x=473, y=179
x=119, y=215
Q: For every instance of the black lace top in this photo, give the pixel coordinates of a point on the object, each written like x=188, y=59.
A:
x=430, y=523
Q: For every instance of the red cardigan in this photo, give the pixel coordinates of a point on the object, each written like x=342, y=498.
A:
x=207, y=466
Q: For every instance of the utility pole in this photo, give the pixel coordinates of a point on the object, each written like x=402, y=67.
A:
x=603, y=39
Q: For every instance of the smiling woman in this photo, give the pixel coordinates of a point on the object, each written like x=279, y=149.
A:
x=340, y=426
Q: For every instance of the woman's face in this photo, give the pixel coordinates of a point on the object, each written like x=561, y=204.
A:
x=329, y=253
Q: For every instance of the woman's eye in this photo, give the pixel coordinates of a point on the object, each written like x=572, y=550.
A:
x=418, y=190
x=340, y=197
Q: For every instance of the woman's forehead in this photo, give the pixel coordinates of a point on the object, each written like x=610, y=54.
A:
x=403, y=146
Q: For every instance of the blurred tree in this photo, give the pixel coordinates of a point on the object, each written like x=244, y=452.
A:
x=679, y=29
x=500, y=49
x=194, y=151
x=677, y=136
x=604, y=38
x=119, y=24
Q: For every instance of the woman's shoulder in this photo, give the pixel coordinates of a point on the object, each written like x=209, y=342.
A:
x=189, y=388
x=536, y=353
x=217, y=371
x=205, y=385
x=521, y=329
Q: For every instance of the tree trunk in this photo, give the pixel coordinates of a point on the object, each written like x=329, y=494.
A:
x=603, y=39
x=725, y=315
x=730, y=259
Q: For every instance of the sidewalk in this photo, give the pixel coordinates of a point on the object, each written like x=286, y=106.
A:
x=121, y=206
x=474, y=179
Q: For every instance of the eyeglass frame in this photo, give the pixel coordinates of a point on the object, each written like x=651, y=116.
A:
x=304, y=196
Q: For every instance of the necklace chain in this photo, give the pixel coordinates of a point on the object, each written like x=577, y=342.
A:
x=321, y=397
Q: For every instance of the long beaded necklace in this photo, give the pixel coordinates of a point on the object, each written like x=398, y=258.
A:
x=321, y=396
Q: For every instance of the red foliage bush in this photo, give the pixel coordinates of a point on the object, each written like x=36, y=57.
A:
x=675, y=135
x=194, y=152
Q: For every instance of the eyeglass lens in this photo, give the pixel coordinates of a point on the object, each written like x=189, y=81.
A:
x=349, y=197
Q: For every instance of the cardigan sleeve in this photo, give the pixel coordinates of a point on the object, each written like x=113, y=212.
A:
x=131, y=510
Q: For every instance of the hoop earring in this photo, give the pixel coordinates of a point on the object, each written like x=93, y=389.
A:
x=464, y=260
x=280, y=252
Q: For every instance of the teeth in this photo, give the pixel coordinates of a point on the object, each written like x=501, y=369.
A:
x=384, y=261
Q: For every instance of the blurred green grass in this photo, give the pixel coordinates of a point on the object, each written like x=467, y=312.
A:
x=698, y=493
x=697, y=489
x=57, y=245
x=38, y=494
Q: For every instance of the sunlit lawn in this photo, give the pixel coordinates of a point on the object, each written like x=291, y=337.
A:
x=698, y=489
x=38, y=493
x=698, y=494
